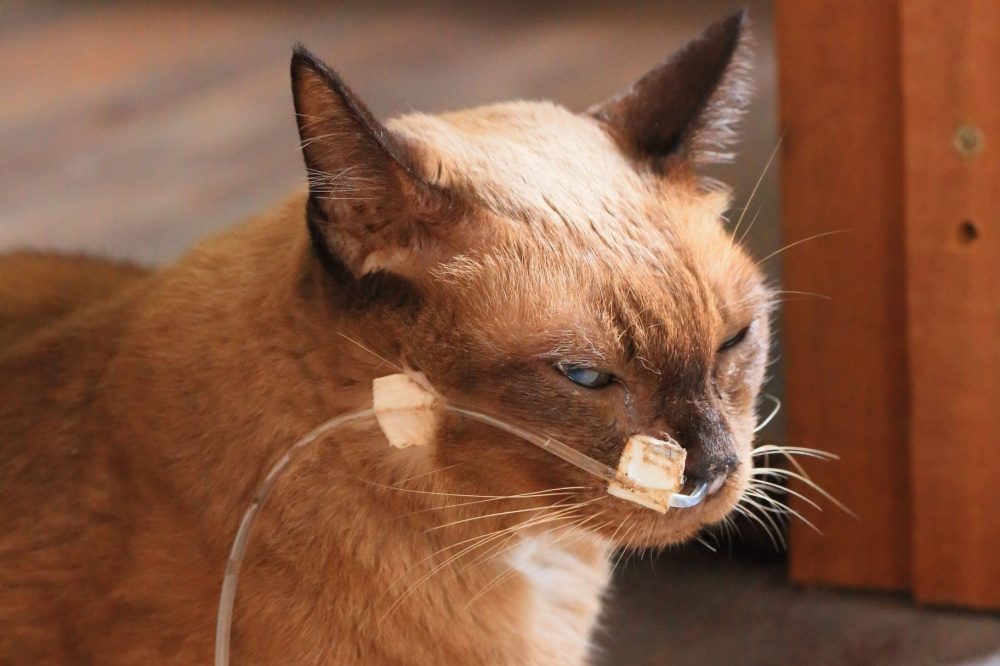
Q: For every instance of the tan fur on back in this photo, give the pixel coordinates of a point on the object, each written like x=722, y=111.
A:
x=38, y=289
x=148, y=407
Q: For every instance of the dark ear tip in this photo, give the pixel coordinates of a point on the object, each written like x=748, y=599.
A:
x=303, y=57
x=734, y=25
x=731, y=34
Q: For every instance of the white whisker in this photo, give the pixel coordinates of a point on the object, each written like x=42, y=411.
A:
x=800, y=242
x=777, y=471
x=753, y=192
x=781, y=508
x=384, y=360
x=777, y=537
x=766, y=449
x=757, y=483
x=488, y=499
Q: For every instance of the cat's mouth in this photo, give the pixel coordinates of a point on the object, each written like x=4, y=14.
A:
x=692, y=495
x=695, y=492
x=716, y=484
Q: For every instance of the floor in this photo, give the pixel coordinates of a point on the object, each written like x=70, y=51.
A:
x=133, y=129
x=694, y=607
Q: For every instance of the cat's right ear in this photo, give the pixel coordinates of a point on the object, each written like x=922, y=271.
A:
x=368, y=210
x=686, y=108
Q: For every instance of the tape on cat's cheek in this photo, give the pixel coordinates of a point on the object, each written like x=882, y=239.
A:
x=650, y=472
x=406, y=409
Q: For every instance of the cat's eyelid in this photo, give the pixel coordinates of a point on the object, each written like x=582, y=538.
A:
x=566, y=357
x=736, y=338
x=572, y=345
x=588, y=376
x=562, y=365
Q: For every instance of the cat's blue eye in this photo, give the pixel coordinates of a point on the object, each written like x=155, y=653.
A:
x=584, y=376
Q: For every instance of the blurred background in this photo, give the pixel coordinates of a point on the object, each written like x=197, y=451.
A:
x=134, y=129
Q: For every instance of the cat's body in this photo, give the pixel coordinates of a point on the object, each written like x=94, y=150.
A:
x=493, y=250
x=38, y=288
x=92, y=507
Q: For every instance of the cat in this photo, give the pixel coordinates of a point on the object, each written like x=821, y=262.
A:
x=569, y=272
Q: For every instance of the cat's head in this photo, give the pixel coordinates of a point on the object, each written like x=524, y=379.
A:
x=567, y=271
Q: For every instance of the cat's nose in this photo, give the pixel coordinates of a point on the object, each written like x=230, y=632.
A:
x=700, y=467
x=711, y=447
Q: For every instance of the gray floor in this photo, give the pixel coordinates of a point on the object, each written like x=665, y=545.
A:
x=691, y=606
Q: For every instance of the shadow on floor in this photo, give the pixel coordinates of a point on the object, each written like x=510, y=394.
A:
x=699, y=607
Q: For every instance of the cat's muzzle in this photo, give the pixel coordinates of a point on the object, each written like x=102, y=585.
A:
x=650, y=472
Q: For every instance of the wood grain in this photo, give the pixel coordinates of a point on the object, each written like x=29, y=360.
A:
x=846, y=371
x=951, y=77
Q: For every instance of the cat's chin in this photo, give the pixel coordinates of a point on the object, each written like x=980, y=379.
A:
x=651, y=530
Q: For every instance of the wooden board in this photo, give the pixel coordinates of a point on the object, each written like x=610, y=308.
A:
x=951, y=77
x=846, y=358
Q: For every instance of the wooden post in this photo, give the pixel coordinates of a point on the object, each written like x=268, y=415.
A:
x=892, y=118
x=845, y=358
x=951, y=97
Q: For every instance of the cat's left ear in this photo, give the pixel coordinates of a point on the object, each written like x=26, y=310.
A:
x=687, y=107
x=368, y=209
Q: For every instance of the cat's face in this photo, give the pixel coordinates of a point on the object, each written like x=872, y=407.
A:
x=602, y=302
x=567, y=272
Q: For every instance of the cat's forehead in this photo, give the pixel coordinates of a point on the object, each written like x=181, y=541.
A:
x=582, y=211
x=526, y=159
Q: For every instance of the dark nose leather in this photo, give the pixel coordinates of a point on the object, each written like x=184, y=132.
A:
x=711, y=448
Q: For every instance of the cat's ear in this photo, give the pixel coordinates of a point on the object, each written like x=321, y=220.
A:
x=687, y=107
x=368, y=210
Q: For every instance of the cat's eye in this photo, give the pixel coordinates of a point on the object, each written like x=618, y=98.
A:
x=735, y=340
x=586, y=376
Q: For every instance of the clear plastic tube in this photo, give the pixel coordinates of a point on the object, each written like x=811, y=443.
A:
x=556, y=448
x=576, y=458
x=682, y=501
x=224, y=621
